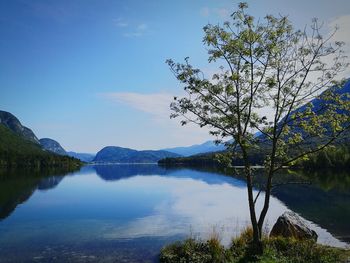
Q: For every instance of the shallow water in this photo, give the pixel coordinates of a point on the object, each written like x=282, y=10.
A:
x=126, y=213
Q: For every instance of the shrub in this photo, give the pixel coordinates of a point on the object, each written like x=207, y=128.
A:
x=276, y=250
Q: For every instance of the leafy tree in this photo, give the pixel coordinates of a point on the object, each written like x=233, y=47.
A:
x=268, y=66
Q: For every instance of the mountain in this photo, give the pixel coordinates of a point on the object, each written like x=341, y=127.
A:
x=11, y=122
x=317, y=102
x=206, y=147
x=85, y=157
x=257, y=156
x=16, y=151
x=114, y=154
x=12, y=143
x=52, y=146
x=19, y=147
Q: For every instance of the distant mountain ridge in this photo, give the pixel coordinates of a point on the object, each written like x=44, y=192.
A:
x=52, y=146
x=206, y=158
x=11, y=122
x=85, y=157
x=114, y=154
x=206, y=147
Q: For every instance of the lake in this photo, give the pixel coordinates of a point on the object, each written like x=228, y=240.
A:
x=126, y=213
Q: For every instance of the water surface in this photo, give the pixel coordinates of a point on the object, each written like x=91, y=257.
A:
x=128, y=212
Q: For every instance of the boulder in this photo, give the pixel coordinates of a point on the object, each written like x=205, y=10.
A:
x=291, y=225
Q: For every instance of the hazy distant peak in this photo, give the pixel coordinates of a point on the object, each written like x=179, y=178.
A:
x=52, y=146
x=208, y=146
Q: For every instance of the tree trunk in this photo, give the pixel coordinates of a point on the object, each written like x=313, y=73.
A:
x=257, y=244
x=266, y=203
x=269, y=182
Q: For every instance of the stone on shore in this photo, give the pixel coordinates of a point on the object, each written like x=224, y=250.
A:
x=290, y=225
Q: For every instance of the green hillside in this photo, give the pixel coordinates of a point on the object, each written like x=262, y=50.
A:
x=336, y=157
x=114, y=154
x=15, y=151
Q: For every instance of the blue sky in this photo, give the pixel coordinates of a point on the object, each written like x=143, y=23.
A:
x=92, y=73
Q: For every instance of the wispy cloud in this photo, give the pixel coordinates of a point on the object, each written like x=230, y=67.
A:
x=221, y=12
x=342, y=23
x=140, y=30
x=133, y=34
x=205, y=11
x=131, y=29
x=119, y=22
x=142, y=27
x=342, y=34
x=156, y=104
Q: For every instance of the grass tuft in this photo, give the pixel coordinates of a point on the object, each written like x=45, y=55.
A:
x=276, y=250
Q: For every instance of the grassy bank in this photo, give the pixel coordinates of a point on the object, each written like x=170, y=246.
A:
x=276, y=250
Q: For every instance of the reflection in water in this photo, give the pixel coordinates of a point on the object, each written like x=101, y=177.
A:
x=17, y=186
x=117, y=172
x=124, y=171
x=329, y=209
x=136, y=209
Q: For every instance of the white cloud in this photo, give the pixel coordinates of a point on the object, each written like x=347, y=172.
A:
x=222, y=13
x=140, y=30
x=156, y=104
x=133, y=34
x=343, y=32
x=142, y=27
x=130, y=29
x=195, y=206
x=205, y=11
x=119, y=22
x=342, y=22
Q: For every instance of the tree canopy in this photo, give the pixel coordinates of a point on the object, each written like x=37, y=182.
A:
x=268, y=75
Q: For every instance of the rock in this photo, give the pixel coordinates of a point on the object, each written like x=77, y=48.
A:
x=291, y=225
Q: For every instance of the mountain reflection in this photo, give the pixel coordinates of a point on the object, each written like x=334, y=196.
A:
x=18, y=185
x=117, y=172
x=124, y=171
x=326, y=202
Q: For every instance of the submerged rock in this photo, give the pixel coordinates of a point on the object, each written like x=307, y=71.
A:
x=291, y=225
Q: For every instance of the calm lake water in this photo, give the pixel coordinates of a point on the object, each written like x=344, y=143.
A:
x=126, y=213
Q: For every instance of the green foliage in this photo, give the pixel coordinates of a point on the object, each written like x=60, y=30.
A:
x=266, y=63
x=276, y=250
x=240, y=244
x=195, y=160
x=194, y=251
x=18, y=152
x=337, y=158
x=294, y=251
